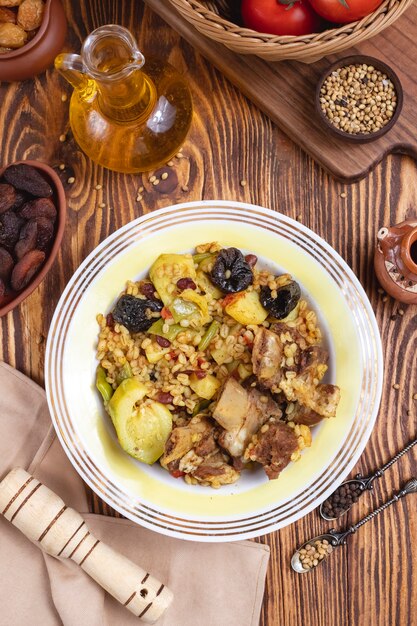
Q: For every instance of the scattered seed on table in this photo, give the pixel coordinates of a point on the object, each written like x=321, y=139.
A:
x=184, y=188
x=62, y=166
x=152, y=178
x=139, y=198
x=71, y=180
x=164, y=176
x=358, y=99
x=396, y=386
x=243, y=183
x=64, y=97
x=385, y=299
x=141, y=189
x=343, y=194
x=401, y=311
x=98, y=187
x=155, y=182
x=170, y=163
x=102, y=205
x=62, y=138
x=381, y=291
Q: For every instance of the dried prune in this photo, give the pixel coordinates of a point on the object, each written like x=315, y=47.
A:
x=6, y=264
x=27, y=239
x=230, y=271
x=26, y=268
x=27, y=178
x=7, y=197
x=134, y=313
x=45, y=232
x=286, y=299
x=41, y=207
x=10, y=225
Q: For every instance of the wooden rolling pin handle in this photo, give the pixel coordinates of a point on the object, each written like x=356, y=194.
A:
x=60, y=531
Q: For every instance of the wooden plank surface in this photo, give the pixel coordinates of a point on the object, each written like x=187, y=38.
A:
x=373, y=581
x=285, y=91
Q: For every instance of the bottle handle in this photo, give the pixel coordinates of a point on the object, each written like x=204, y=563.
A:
x=72, y=68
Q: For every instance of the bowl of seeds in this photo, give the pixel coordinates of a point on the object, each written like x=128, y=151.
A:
x=359, y=98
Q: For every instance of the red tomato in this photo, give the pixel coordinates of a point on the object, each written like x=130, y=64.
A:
x=280, y=17
x=344, y=11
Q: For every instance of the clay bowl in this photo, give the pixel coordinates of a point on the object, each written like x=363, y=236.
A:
x=379, y=65
x=13, y=299
x=39, y=53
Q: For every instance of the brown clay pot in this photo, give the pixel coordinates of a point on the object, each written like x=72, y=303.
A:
x=396, y=260
x=12, y=299
x=37, y=55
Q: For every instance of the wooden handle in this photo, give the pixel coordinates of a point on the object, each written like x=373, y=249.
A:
x=60, y=531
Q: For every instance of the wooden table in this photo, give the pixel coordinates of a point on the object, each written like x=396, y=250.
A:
x=374, y=581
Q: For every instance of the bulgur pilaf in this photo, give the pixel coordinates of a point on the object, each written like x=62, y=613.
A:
x=211, y=364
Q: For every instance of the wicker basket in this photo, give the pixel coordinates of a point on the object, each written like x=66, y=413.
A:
x=308, y=48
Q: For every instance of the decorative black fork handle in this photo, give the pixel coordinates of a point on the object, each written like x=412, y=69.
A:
x=367, y=482
x=337, y=539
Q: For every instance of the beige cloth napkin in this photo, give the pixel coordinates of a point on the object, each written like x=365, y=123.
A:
x=213, y=584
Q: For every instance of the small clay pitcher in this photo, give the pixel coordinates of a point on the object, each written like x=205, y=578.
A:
x=396, y=260
x=38, y=54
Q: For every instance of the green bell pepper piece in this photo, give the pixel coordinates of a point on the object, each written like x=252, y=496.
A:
x=209, y=335
x=157, y=329
x=105, y=388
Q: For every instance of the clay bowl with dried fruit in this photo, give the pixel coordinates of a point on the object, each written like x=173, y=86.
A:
x=32, y=33
x=32, y=220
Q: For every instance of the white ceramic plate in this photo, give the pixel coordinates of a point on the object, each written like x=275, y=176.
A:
x=149, y=495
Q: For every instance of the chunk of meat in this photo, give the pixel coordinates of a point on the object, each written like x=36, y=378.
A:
x=273, y=448
x=267, y=356
x=241, y=413
x=216, y=471
x=182, y=439
x=323, y=399
x=303, y=415
x=310, y=361
x=287, y=334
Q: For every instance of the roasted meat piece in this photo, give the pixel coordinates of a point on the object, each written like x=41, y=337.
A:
x=197, y=435
x=273, y=447
x=303, y=415
x=322, y=399
x=216, y=471
x=241, y=413
x=267, y=356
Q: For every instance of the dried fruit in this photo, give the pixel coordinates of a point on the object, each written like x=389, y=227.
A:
x=7, y=197
x=10, y=225
x=10, y=3
x=186, y=283
x=6, y=264
x=27, y=239
x=26, y=268
x=41, y=207
x=30, y=14
x=27, y=178
x=231, y=272
x=12, y=36
x=6, y=15
x=45, y=232
x=134, y=313
x=286, y=299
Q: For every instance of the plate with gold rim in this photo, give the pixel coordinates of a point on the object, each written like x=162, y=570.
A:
x=148, y=495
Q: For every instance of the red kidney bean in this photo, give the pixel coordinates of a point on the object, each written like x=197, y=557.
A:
x=186, y=283
x=110, y=320
x=251, y=260
x=164, y=397
x=164, y=343
x=148, y=290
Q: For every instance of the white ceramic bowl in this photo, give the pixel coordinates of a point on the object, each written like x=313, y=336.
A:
x=149, y=495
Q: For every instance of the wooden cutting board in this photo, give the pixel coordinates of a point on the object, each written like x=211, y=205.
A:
x=285, y=92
